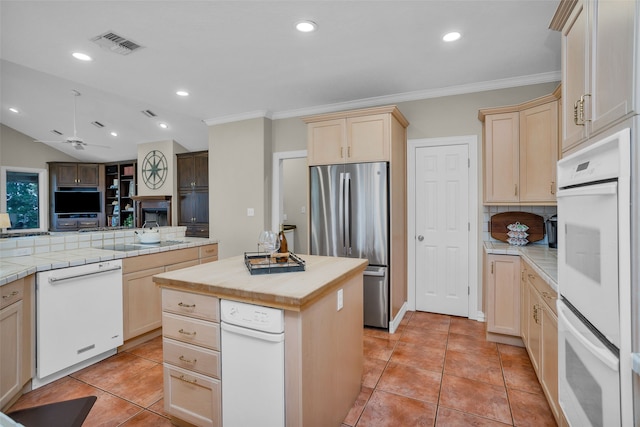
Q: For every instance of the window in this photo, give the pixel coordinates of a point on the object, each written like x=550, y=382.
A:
x=23, y=197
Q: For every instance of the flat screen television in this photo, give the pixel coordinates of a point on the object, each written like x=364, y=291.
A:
x=77, y=202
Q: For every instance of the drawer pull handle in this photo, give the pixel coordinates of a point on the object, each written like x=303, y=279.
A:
x=11, y=295
x=193, y=381
x=183, y=305
x=182, y=331
x=531, y=276
x=185, y=360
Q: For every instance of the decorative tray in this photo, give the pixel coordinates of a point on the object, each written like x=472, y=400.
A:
x=263, y=263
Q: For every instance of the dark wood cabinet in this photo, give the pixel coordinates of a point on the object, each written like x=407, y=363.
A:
x=120, y=188
x=76, y=174
x=80, y=178
x=193, y=193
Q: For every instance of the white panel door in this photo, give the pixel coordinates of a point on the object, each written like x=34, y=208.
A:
x=442, y=229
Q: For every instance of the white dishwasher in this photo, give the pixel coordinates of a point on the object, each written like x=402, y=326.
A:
x=252, y=348
x=78, y=318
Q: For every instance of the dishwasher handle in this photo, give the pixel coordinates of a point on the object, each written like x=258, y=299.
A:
x=54, y=279
x=264, y=336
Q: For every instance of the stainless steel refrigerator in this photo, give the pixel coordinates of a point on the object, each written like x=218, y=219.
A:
x=349, y=209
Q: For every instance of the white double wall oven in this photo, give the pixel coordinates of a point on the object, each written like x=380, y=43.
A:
x=594, y=280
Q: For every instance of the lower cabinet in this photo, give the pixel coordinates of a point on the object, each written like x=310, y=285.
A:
x=191, y=354
x=142, y=304
x=540, y=333
x=16, y=314
x=502, y=284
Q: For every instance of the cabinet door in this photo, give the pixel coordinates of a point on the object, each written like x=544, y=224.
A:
x=574, y=69
x=66, y=174
x=185, y=171
x=612, y=37
x=10, y=351
x=538, y=153
x=201, y=206
x=185, y=207
x=88, y=174
x=549, y=359
x=368, y=138
x=142, y=302
x=326, y=142
x=502, y=158
x=201, y=170
x=534, y=328
x=503, y=294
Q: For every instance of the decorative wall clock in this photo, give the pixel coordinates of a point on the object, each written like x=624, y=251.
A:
x=154, y=169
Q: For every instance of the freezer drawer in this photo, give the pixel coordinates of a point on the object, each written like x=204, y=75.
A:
x=376, y=297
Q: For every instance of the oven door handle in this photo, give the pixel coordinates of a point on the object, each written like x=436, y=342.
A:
x=606, y=189
x=601, y=353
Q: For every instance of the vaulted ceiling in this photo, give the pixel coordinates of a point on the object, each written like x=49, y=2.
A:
x=242, y=59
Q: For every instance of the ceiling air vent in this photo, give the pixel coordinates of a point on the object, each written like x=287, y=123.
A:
x=57, y=132
x=148, y=113
x=97, y=124
x=115, y=43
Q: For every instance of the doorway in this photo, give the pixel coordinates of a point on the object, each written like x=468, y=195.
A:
x=288, y=166
x=443, y=226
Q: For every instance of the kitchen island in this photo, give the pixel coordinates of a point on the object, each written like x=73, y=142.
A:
x=323, y=314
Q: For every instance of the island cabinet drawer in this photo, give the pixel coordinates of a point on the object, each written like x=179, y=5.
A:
x=192, y=331
x=192, y=397
x=11, y=293
x=190, y=357
x=192, y=305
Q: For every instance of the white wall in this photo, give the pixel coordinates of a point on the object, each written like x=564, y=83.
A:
x=239, y=178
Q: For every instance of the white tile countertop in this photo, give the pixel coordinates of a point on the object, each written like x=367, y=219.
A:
x=542, y=258
x=20, y=257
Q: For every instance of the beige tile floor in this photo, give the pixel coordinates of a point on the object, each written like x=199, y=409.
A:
x=434, y=371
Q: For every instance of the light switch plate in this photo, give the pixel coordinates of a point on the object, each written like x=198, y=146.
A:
x=250, y=212
x=340, y=299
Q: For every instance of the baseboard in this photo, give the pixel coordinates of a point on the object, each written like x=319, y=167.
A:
x=130, y=343
x=394, y=324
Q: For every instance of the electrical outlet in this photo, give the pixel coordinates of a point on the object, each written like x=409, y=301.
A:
x=303, y=209
x=250, y=212
x=284, y=217
x=340, y=299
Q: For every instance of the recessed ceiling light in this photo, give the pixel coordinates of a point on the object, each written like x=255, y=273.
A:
x=14, y=110
x=82, y=56
x=163, y=125
x=306, y=26
x=182, y=93
x=114, y=133
x=451, y=37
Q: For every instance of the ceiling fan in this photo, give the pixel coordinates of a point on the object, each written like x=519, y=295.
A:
x=75, y=141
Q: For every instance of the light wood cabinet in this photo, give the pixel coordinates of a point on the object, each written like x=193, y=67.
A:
x=540, y=333
x=598, y=73
x=16, y=340
x=352, y=137
x=142, y=299
x=503, y=294
x=191, y=353
x=520, y=152
x=368, y=135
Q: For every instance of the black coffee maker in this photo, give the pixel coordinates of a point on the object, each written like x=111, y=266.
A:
x=552, y=231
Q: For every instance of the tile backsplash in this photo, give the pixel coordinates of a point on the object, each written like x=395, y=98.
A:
x=488, y=211
x=60, y=241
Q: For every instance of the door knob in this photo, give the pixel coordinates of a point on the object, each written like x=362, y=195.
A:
x=420, y=238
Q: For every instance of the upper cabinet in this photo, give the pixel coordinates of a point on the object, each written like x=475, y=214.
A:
x=76, y=174
x=354, y=136
x=598, y=73
x=520, y=152
x=193, y=170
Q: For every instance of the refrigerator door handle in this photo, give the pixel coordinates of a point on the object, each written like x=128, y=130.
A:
x=341, y=211
x=347, y=216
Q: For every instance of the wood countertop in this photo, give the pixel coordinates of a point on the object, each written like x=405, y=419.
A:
x=230, y=279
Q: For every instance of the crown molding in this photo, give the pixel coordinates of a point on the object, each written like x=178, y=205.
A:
x=553, y=76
